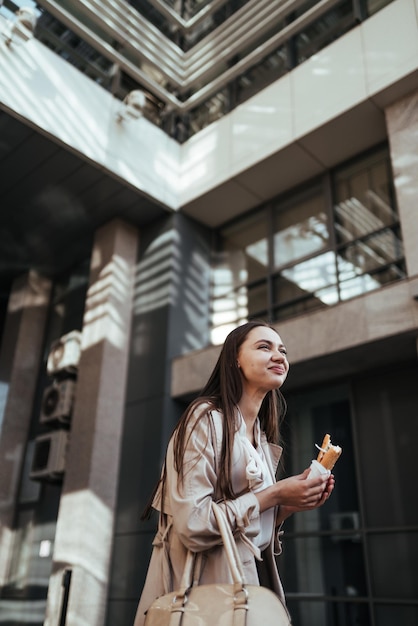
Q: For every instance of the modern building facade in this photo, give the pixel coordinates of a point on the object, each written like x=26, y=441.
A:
x=168, y=171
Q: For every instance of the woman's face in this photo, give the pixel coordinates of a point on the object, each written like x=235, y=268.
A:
x=262, y=359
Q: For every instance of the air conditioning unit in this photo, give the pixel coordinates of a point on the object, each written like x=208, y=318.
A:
x=64, y=354
x=49, y=456
x=57, y=402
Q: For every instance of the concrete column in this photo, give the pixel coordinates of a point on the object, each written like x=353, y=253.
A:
x=20, y=359
x=84, y=533
x=170, y=317
x=402, y=125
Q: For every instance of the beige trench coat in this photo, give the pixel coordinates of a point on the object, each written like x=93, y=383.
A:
x=187, y=521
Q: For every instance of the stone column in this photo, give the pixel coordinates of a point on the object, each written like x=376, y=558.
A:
x=84, y=533
x=20, y=360
x=402, y=125
x=170, y=317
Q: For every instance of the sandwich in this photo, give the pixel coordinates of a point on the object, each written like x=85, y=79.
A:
x=328, y=453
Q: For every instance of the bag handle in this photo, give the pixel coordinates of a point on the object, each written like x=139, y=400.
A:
x=230, y=546
x=231, y=551
x=193, y=562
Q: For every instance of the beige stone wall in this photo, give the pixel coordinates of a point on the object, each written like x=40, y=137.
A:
x=402, y=126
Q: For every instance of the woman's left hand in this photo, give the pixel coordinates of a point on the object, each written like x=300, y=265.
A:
x=286, y=511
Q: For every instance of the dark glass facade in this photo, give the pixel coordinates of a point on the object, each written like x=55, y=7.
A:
x=336, y=238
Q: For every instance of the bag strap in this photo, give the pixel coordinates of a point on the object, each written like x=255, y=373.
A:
x=235, y=567
x=231, y=550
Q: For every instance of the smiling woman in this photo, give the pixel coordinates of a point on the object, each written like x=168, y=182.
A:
x=262, y=359
x=225, y=450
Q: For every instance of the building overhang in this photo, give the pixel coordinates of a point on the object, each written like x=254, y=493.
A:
x=372, y=331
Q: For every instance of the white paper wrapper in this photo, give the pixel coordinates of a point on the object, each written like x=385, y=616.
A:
x=317, y=469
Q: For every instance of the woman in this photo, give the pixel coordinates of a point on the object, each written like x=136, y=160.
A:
x=225, y=449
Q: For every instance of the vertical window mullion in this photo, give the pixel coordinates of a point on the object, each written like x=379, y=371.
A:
x=270, y=267
x=328, y=184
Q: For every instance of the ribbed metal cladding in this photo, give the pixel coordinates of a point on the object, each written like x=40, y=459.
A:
x=186, y=25
x=207, y=67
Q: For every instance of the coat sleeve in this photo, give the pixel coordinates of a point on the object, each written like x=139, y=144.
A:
x=190, y=503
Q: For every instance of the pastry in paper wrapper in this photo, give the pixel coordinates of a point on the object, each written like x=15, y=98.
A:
x=327, y=457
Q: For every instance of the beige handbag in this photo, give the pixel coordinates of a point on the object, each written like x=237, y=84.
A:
x=235, y=604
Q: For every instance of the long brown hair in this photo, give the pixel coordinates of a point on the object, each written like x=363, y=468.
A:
x=222, y=392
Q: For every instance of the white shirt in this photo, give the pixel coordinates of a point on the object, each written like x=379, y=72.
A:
x=259, y=478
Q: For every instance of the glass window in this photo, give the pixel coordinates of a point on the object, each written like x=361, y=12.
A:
x=370, y=250
x=314, y=277
x=389, y=614
x=327, y=566
x=245, y=248
x=386, y=407
x=258, y=76
x=324, y=30
x=356, y=286
x=337, y=239
x=369, y=254
x=311, y=415
x=306, y=286
x=239, y=276
x=394, y=552
x=323, y=549
x=363, y=198
x=313, y=612
x=300, y=230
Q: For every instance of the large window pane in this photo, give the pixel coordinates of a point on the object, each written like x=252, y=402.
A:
x=386, y=409
x=245, y=250
x=306, y=286
x=311, y=415
x=394, y=552
x=313, y=276
x=390, y=614
x=315, y=613
x=369, y=254
x=328, y=566
x=239, y=285
x=324, y=31
x=288, y=258
x=363, y=198
x=300, y=230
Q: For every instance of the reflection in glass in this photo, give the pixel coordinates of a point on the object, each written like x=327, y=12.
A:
x=242, y=261
x=328, y=243
x=263, y=73
x=363, y=198
x=237, y=306
x=247, y=241
x=306, y=286
x=369, y=254
x=364, y=283
x=324, y=30
x=354, y=219
x=300, y=231
x=313, y=275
